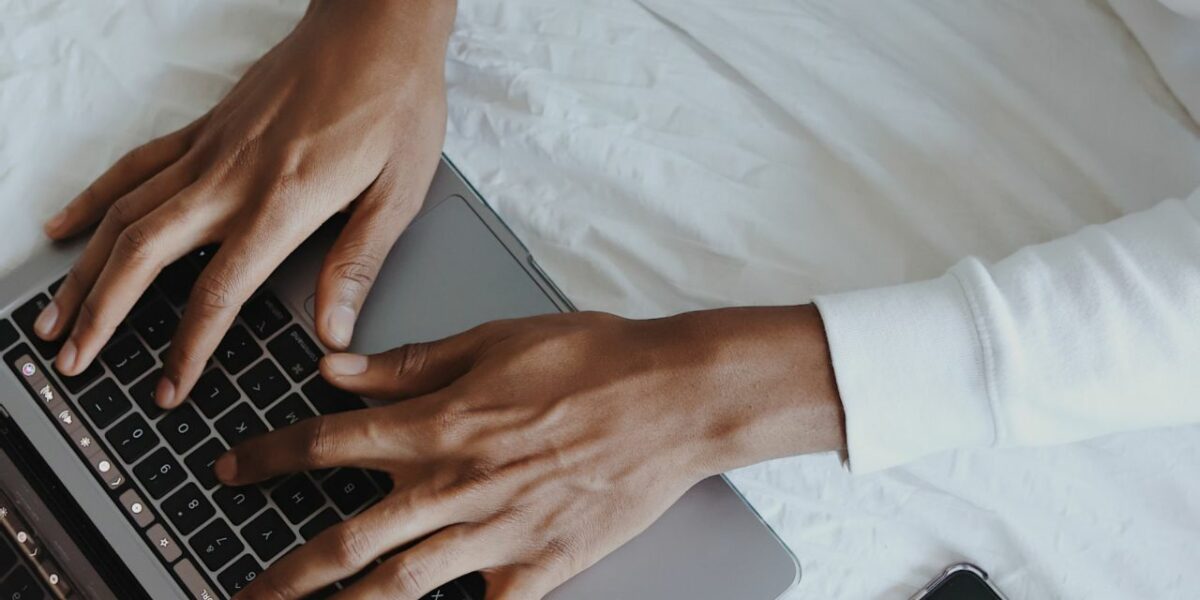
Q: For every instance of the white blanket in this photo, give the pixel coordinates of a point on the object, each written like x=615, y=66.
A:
x=665, y=155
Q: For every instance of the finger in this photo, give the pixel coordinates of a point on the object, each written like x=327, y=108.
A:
x=238, y=268
x=129, y=172
x=354, y=261
x=141, y=251
x=434, y=562
x=522, y=582
x=57, y=317
x=347, y=548
x=407, y=371
x=343, y=439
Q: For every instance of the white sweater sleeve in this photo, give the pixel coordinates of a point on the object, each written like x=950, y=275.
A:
x=1090, y=334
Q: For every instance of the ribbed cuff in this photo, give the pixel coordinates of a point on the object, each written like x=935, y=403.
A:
x=910, y=369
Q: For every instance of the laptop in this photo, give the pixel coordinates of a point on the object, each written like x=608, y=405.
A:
x=103, y=495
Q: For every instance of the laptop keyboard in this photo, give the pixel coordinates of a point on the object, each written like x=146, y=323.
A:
x=157, y=465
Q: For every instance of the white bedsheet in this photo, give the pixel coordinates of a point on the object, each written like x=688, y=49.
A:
x=665, y=155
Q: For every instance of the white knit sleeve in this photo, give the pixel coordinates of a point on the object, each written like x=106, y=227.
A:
x=1093, y=333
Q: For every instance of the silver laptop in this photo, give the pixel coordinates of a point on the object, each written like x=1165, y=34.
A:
x=102, y=495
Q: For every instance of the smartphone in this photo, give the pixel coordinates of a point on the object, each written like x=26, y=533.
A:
x=963, y=581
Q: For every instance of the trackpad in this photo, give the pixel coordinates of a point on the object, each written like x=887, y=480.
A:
x=448, y=273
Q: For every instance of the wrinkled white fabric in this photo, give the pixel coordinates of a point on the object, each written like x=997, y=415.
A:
x=661, y=156
x=1170, y=34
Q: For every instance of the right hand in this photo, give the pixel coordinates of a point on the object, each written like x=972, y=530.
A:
x=348, y=108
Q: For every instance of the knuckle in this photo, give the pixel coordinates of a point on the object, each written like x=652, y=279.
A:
x=563, y=550
x=185, y=357
x=269, y=587
x=135, y=158
x=475, y=475
x=214, y=292
x=408, y=575
x=136, y=242
x=319, y=444
x=352, y=547
x=123, y=213
x=410, y=360
x=88, y=195
x=88, y=319
x=357, y=273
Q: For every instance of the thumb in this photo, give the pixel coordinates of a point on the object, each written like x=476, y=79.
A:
x=410, y=370
x=354, y=261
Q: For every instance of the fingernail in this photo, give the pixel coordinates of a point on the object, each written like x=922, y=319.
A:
x=341, y=324
x=346, y=364
x=164, y=393
x=55, y=222
x=66, y=357
x=44, y=324
x=226, y=467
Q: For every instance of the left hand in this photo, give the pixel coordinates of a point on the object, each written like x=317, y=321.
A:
x=529, y=449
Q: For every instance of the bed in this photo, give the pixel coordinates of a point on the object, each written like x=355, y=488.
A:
x=661, y=155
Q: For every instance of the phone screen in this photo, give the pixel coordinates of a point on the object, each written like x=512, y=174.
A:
x=962, y=585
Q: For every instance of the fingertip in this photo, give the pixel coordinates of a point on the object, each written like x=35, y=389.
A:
x=226, y=468
x=46, y=321
x=344, y=364
x=54, y=227
x=165, y=394
x=339, y=326
x=67, y=357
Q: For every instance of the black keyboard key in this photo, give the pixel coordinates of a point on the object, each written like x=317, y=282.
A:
x=350, y=489
x=21, y=585
x=473, y=585
x=105, y=403
x=8, y=334
x=159, y=473
x=324, y=520
x=263, y=383
x=25, y=316
x=188, y=509
x=239, y=424
x=239, y=503
x=216, y=545
x=328, y=399
x=200, y=462
x=290, y=411
x=183, y=428
x=80, y=382
x=143, y=391
x=265, y=315
x=268, y=535
x=214, y=393
x=296, y=352
x=298, y=497
x=203, y=255
x=237, y=350
x=53, y=289
x=156, y=323
x=127, y=358
x=383, y=480
x=176, y=281
x=8, y=556
x=132, y=438
x=239, y=575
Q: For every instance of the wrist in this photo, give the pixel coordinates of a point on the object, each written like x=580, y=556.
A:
x=416, y=30
x=769, y=387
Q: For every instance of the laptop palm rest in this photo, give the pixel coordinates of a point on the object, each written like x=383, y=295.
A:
x=449, y=273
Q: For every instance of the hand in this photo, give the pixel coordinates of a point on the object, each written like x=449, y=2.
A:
x=529, y=449
x=350, y=105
